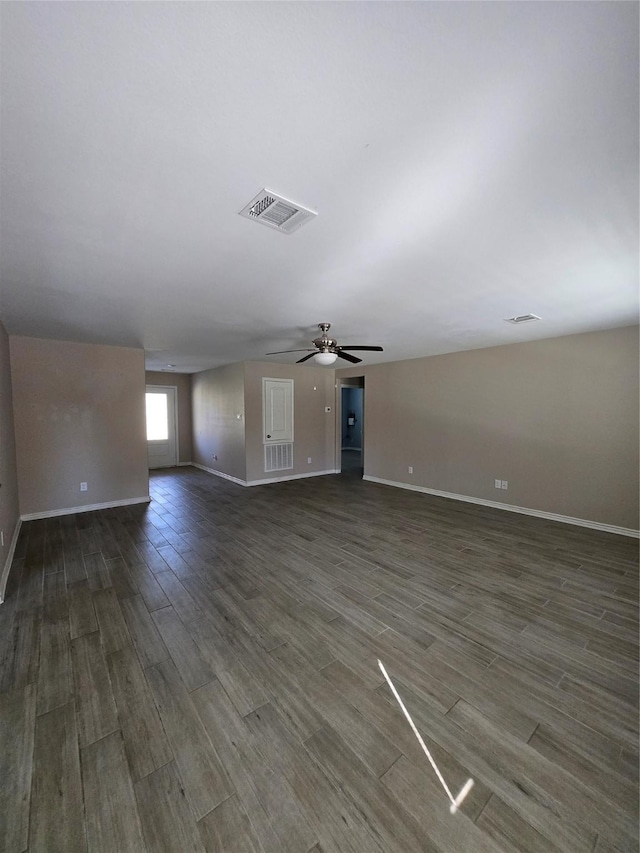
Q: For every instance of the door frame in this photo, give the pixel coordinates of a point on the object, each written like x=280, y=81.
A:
x=170, y=390
x=347, y=382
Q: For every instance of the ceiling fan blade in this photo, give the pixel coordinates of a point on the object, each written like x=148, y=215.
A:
x=350, y=358
x=305, y=358
x=282, y=351
x=370, y=349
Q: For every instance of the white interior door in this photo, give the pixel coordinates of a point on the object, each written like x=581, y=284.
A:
x=162, y=429
x=277, y=410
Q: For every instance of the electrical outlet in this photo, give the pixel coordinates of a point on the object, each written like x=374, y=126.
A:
x=411, y=469
x=215, y=457
x=498, y=484
x=505, y=484
x=83, y=487
x=308, y=460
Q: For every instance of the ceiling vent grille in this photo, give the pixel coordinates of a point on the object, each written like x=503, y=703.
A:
x=523, y=318
x=277, y=212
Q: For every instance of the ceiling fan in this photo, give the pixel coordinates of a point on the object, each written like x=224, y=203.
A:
x=327, y=350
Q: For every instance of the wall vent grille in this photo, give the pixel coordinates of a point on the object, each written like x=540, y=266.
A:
x=277, y=212
x=278, y=457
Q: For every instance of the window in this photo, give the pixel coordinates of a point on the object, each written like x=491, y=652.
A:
x=157, y=417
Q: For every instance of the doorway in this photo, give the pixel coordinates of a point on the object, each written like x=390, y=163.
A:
x=162, y=426
x=352, y=427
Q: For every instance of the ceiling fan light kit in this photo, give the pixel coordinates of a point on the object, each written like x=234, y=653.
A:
x=325, y=358
x=328, y=350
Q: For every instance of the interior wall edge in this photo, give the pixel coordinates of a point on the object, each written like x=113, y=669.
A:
x=522, y=510
x=4, y=577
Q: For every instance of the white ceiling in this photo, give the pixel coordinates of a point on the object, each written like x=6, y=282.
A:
x=468, y=162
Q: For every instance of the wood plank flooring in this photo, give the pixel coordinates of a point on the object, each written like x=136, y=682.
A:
x=200, y=674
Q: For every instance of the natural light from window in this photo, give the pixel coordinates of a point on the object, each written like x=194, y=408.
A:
x=157, y=417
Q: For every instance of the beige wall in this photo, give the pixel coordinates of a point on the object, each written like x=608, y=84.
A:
x=217, y=400
x=79, y=416
x=182, y=383
x=557, y=419
x=314, y=429
x=9, y=507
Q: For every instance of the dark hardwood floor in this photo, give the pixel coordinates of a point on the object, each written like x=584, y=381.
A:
x=201, y=675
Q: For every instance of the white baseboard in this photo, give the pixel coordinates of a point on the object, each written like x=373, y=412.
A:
x=267, y=480
x=180, y=464
x=70, y=510
x=359, y=449
x=291, y=477
x=549, y=516
x=7, y=564
x=219, y=474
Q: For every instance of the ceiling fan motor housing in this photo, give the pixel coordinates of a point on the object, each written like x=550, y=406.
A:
x=325, y=343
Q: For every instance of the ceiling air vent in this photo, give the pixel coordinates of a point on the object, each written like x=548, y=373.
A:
x=523, y=318
x=277, y=212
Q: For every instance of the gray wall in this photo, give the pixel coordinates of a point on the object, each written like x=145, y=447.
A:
x=217, y=400
x=314, y=429
x=556, y=418
x=79, y=416
x=9, y=506
x=182, y=382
